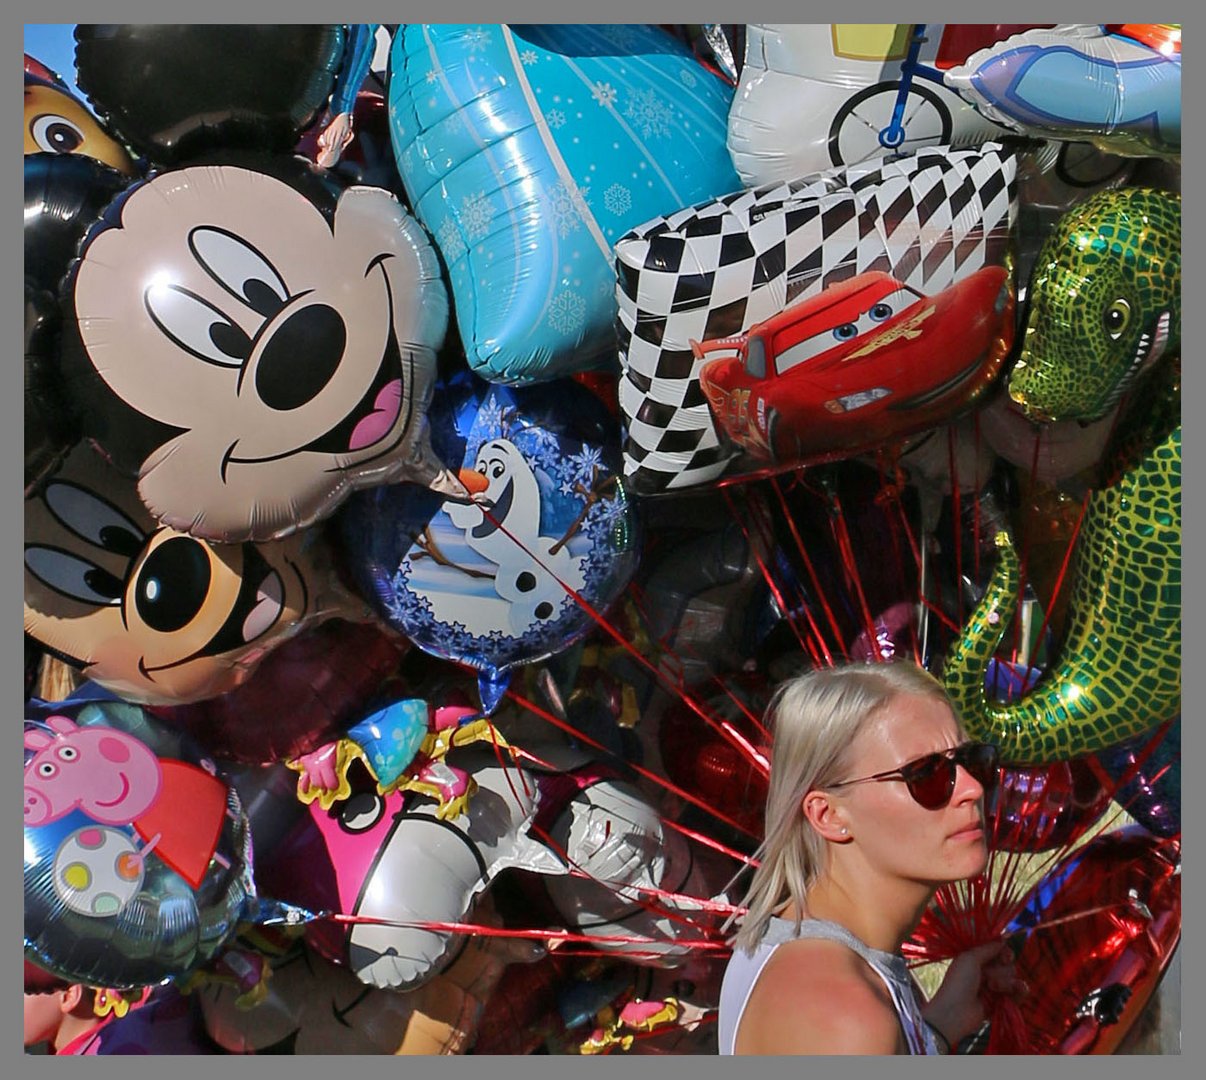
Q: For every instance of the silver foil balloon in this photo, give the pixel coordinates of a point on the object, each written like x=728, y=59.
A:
x=137, y=850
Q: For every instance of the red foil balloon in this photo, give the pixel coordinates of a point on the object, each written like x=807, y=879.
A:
x=1102, y=927
x=305, y=692
x=700, y=760
x=1040, y=807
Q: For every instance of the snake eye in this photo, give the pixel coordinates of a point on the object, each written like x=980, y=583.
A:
x=1116, y=318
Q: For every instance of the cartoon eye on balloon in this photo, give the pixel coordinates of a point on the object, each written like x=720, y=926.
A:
x=269, y=344
x=158, y=616
x=56, y=122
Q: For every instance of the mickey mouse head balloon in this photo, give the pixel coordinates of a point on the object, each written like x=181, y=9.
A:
x=156, y=615
x=256, y=341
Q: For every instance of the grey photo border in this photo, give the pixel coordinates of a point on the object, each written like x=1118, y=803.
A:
x=504, y=1068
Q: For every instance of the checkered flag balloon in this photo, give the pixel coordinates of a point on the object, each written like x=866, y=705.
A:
x=715, y=269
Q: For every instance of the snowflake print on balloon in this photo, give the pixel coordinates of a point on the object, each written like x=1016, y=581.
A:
x=567, y=312
x=650, y=114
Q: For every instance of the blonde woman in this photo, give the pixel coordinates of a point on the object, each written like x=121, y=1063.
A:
x=875, y=800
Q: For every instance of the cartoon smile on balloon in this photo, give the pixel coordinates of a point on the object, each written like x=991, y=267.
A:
x=176, y=809
x=153, y=614
x=268, y=344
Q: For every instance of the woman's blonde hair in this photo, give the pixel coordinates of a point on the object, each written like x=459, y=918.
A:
x=814, y=718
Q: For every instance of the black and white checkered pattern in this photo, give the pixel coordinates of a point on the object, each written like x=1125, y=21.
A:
x=718, y=268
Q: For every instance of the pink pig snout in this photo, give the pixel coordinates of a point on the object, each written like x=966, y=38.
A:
x=37, y=806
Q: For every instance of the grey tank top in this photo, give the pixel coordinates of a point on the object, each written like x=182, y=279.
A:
x=745, y=967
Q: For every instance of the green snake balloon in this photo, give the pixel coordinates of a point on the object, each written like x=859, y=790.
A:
x=1119, y=668
x=1104, y=304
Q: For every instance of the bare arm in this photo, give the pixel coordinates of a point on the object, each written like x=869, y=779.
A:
x=817, y=997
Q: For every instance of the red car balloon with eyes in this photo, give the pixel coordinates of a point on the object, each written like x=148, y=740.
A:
x=866, y=361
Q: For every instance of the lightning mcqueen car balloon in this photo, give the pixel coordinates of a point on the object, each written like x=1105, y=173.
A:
x=865, y=362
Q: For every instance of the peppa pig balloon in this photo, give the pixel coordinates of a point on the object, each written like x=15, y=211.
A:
x=137, y=850
x=514, y=575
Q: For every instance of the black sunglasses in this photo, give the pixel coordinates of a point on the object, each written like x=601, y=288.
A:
x=931, y=779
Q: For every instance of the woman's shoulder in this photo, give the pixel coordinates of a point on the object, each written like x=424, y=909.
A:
x=817, y=996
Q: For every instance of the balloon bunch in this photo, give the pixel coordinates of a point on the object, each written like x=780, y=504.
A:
x=441, y=439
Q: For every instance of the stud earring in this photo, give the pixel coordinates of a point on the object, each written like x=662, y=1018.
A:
x=845, y=831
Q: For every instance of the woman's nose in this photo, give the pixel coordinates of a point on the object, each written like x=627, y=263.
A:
x=967, y=787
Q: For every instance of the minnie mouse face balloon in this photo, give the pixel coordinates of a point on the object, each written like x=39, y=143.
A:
x=137, y=852
x=497, y=580
x=256, y=343
x=155, y=615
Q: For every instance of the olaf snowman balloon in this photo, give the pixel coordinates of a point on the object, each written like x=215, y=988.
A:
x=525, y=568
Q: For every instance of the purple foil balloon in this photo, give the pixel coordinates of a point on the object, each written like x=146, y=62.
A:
x=1151, y=768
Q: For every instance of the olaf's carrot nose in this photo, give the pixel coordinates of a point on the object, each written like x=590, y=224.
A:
x=475, y=483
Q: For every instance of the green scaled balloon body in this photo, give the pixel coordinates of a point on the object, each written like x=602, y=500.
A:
x=1104, y=304
x=1119, y=670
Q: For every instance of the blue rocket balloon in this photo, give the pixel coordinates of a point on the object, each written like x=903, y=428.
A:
x=522, y=571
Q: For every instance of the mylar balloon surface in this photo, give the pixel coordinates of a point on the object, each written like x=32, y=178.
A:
x=394, y=865
x=153, y=614
x=137, y=851
x=1148, y=772
x=776, y=326
x=305, y=692
x=256, y=341
x=490, y=582
x=172, y=90
x=64, y=196
x=316, y=1007
x=528, y=151
x=1081, y=82
x=1117, y=904
x=1104, y=304
x=56, y=122
x=1118, y=672
x=813, y=95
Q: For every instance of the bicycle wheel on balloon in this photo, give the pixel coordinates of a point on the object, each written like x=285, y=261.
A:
x=854, y=135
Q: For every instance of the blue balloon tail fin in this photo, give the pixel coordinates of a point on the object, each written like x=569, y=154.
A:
x=491, y=685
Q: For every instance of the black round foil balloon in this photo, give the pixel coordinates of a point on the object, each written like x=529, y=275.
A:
x=50, y=425
x=171, y=90
x=64, y=195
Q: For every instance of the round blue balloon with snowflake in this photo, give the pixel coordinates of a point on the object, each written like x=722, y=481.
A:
x=527, y=151
x=530, y=563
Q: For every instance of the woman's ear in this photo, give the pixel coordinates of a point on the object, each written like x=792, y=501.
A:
x=824, y=815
